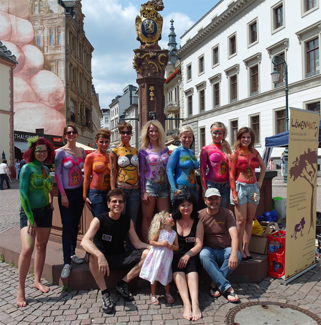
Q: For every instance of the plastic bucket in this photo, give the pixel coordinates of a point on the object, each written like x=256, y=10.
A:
x=279, y=205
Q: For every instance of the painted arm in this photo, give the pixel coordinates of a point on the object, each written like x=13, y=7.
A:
x=233, y=260
x=24, y=188
x=172, y=162
x=58, y=172
x=113, y=170
x=262, y=172
x=232, y=173
x=204, y=154
x=87, y=173
x=138, y=244
x=142, y=161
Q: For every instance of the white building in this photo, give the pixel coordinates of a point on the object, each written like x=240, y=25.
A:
x=105, y=120
x=226, y=65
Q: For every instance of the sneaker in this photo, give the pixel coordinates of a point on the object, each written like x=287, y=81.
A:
x=65, y=271
x=108, y=303
x=75, y=259
x=124, y=292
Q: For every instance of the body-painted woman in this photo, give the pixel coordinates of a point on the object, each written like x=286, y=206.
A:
x=97, y=165
x=245, y=188
x=215, y=156
x=69, y=162
x=153, y=158
x=181, y=166
x=36, y=212
x=124, y=171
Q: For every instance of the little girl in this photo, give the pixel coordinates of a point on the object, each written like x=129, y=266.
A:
x=158, y=263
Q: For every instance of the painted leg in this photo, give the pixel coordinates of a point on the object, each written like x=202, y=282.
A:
x=192, y=280
x=148, y=212
x=251, y=209
x=240, y=214
x=40, y=256
x=27, y=243
x=181, y=284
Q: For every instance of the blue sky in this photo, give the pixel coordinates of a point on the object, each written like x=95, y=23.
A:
x=110, y=27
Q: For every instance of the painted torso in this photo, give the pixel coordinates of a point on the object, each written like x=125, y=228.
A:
x=182, y=162
x=245, y=166
x=127, y=166
x=68, y=170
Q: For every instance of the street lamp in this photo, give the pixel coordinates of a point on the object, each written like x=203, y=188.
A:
x=275, y=75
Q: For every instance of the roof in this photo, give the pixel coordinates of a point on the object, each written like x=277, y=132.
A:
x=6, y=54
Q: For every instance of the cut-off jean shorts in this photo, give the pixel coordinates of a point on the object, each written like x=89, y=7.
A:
x=156, y=189
x=42, y=217
x=246, y=193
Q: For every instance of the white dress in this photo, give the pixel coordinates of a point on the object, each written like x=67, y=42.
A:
x=158, y=263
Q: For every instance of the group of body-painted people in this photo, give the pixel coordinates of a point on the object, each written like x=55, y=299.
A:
x=151, y=176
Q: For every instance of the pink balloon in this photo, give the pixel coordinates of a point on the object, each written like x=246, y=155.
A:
x=23, y=91
x=4, y=5
x=5, y=26
x=31, y=115
x=20, y=8
x=22, y=30
x=33, y=60
x=49, y=89
x=20, y=57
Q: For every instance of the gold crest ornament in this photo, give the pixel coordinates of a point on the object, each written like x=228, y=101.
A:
x=149, y=24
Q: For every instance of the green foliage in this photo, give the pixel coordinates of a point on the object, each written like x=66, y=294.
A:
x=2, y=258
x=65, y=288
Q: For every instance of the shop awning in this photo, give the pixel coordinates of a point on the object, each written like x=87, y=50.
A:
x=22, y=146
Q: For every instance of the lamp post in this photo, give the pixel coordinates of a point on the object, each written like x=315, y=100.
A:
x=277, y=60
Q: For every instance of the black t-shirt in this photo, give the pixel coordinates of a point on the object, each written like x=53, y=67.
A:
x=188, y=242
x=111, y=234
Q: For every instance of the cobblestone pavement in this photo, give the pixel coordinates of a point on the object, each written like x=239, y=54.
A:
x=83, y=307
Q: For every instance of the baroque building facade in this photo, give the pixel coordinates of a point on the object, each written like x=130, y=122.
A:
x=226, y=66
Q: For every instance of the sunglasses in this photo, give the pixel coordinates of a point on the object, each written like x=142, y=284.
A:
x=116, y=201
x=125, y=132
x=71, y=132
x=41, y=152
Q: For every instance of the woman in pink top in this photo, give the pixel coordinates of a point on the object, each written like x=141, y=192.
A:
x=245, y=188
x=215, y=156
x=153, y=158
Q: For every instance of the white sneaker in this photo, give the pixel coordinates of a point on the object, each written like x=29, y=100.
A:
x=65, y=271
x=75, y=259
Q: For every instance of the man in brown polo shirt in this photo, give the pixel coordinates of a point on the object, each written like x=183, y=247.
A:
x=219, y=255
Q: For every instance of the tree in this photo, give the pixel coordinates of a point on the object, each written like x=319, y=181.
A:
x=305, y=166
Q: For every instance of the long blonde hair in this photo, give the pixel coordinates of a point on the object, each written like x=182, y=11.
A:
x=144, y=139
x=157, y=224
x=225, y=145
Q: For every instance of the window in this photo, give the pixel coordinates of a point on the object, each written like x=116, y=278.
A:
x=312, y=57
x=51, y=37
x=280, y=121
x=202, y=137
x=190, y=105
x=254, y=80
x=315, y=107
x=215, y=56
x=310, y=4
x=38, y=38
x=233, y=88
x=216, y=90
x=189, y=72
x=234, y=128
x=106, y=120
x=255, y=125
x=201, y=64
x=202, y=100
x=232, y=44
x=59, y=35
x=278, y=16
x=253, y=32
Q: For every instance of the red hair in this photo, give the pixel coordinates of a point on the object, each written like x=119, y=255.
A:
x=29, y=155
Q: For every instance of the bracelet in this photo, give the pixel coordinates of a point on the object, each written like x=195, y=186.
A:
x=189, y=253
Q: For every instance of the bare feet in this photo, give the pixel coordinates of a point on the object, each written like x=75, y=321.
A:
x=187, y=312
x=21, y=299
x=197, y=314
x=41, y=287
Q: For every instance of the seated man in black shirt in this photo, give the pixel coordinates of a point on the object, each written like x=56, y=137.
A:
x=104, y=241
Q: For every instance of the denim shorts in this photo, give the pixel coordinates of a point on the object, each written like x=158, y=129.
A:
x=247, y=193
x=224, y=189
x=42, y=217
x=156, y=189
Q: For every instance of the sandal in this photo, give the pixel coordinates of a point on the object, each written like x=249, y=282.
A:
x=231, y=296
x=169, y=298
x=214, y=292
x=154, y=300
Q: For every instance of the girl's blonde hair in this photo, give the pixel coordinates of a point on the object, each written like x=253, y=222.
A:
x=144, y=139
x=225, y=145
x=157, y=224
x=185, y=128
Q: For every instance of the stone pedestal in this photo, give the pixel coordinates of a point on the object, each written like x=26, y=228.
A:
x=150, y=66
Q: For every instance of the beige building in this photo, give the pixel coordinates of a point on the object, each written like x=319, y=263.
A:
x=7, y=64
